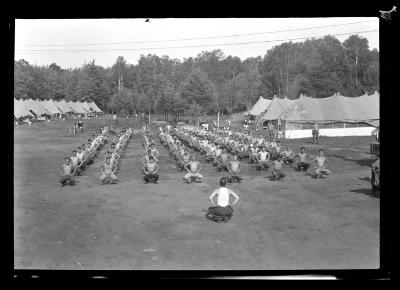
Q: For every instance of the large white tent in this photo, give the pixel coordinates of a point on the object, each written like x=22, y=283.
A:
x=20, y=110
x=63, y=106
x=77, y=107
x=86, y=106
x=95, y=107
x=337, y=116
x=276, y=108
x=260, y=106
x=51, y=107
x=36, y=107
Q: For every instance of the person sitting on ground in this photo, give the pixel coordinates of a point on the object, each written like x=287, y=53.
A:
x=107, y=172
x=193, y=168
x=303, y=157
x=262, y=157
x=234, y=167
x=154, y=151
x=277, y=172
x=217, y=152
x=275, y=149
x=223, y=211
x=321, y=164
x=75, y=163
x=81, y=157
x=222, y=161
x=260, y=140
x=151, y=170
x=184, y=159
x=244, y=150
x=287, y=156
x=252, y=153
x=67, y=172
x=108, y=155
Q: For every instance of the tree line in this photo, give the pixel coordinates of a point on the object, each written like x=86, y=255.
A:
x=210, y=82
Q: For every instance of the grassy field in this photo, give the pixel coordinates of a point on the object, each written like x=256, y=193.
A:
x=301, y=223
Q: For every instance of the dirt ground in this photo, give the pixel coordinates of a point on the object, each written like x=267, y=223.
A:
x=300, y=223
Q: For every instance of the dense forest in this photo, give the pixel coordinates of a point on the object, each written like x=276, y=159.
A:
x=211, y=82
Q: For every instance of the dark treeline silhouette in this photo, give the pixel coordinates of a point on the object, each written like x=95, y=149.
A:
x=210, y=82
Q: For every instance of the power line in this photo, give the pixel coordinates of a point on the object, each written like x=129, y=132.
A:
x=189, y=46
x=197, y=38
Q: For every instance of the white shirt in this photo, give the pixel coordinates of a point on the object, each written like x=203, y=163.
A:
x=222, y=196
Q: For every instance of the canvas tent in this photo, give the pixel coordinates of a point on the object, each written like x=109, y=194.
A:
x=276, y=108
x=35, y=106
x=337, y=116
x=20, y=110
x=94, y=107
x=77, y=107
x=260, y=106
x=51, y=107
x=63, y=106
x=86, y=106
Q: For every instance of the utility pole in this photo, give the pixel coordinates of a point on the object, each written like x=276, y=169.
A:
x=356, y=68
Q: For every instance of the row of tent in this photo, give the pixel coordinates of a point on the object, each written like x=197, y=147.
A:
x=364, y=108
x=30, y=108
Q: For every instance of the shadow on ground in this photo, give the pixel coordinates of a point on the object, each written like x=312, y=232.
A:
x=361, y=162
x=366, y=191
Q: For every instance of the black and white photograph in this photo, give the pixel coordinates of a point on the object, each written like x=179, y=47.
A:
x=197, y=143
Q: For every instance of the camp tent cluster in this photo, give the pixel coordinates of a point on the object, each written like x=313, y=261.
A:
x=336, y=115
x=37, y=108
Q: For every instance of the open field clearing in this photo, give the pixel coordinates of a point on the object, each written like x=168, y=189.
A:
x=300, y=223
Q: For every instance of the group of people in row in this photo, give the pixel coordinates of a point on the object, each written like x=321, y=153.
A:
x=150, y=158
x=111, y=159
x=83, y=156
x=180, y=153
x=225, y=149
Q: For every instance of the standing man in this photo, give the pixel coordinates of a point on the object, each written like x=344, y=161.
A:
x=223, y=211
x=80, y=126
x=315, y=133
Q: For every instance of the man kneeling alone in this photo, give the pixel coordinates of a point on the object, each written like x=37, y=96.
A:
x=223, y=211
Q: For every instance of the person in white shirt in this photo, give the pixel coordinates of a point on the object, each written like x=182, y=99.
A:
x=223, y=210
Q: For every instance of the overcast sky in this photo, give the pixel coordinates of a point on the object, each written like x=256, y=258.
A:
x=80, y=40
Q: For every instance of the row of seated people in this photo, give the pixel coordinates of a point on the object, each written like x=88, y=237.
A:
x=180, y=153
x=221, y=148
x=179, y=147
x=113, y=156
x=150, y=158
x=83, y=156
